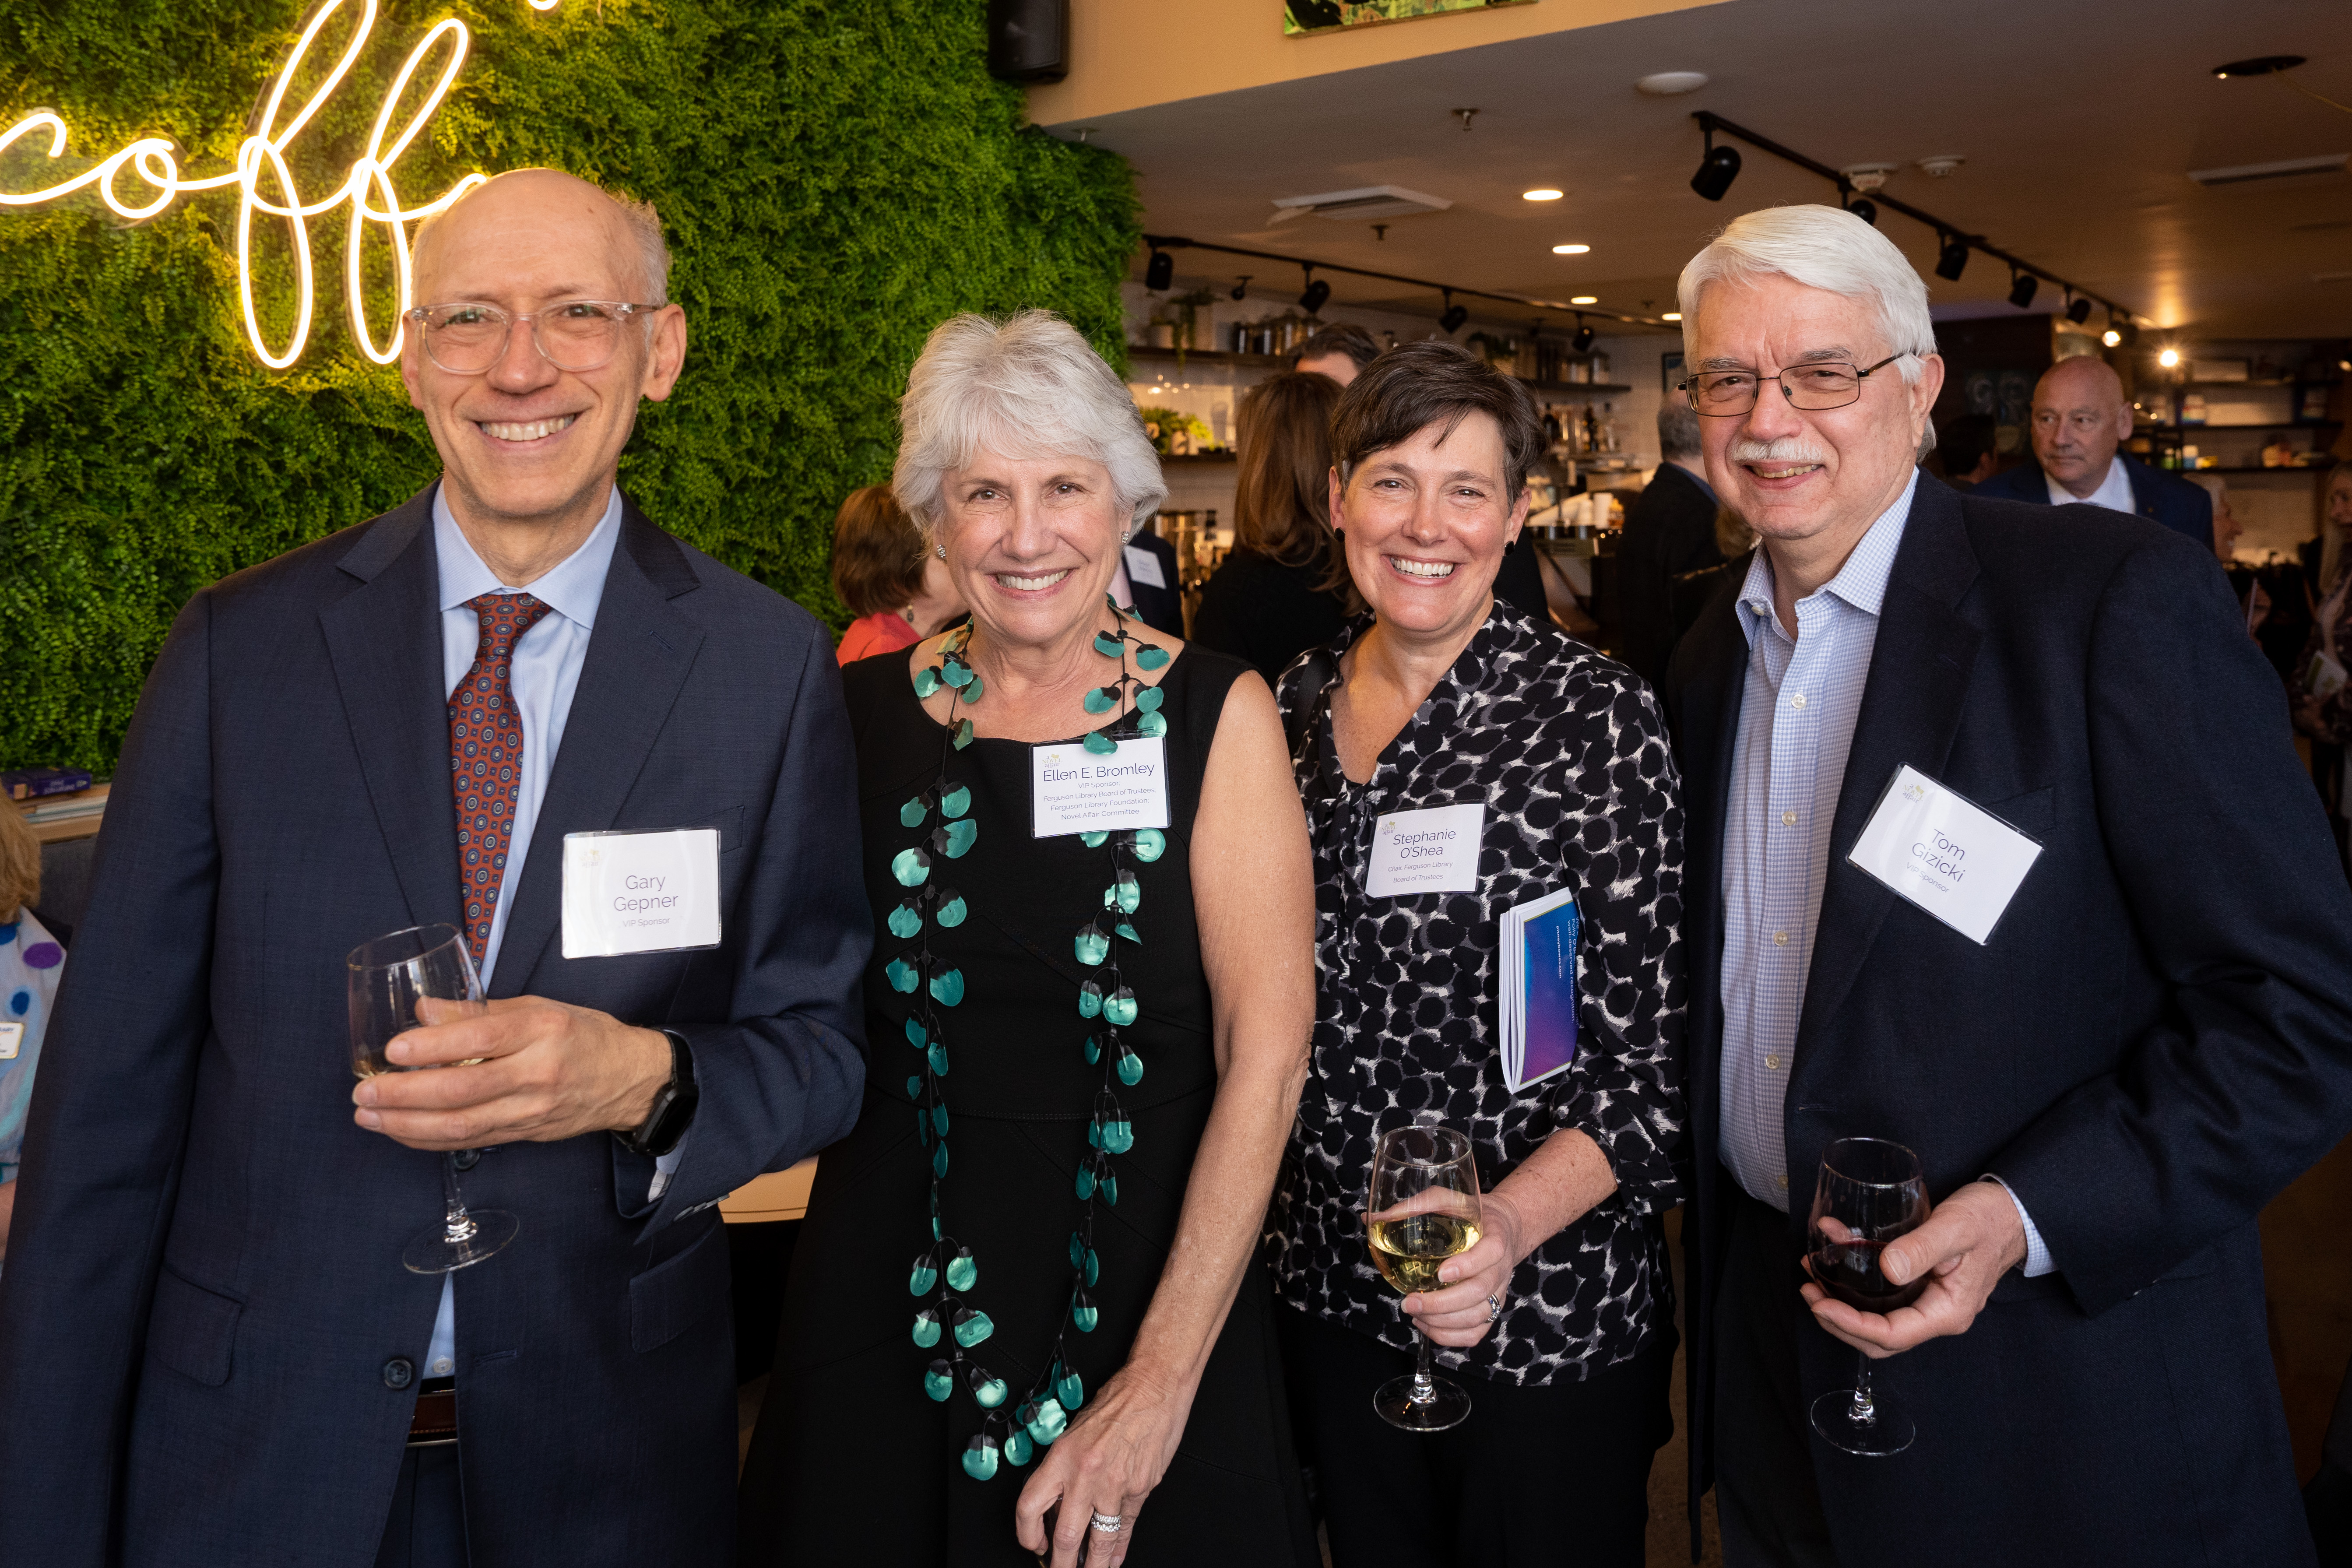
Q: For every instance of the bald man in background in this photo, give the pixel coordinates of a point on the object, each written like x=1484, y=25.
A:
x=209, y=1350
x=2081, y=420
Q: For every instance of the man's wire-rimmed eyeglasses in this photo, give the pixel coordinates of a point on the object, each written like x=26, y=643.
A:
x=1821, y=384
x=571, y=335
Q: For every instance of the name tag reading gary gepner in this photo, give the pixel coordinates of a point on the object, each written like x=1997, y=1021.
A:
x=1434, y=850
x=640, y=892
x=1946, y=854
x=1073, y=790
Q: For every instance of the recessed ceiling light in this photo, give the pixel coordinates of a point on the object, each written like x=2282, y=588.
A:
x=1569, y=249
x=1668, y=84
x=1672, y=316
x=1584, y=299
x=1542, y=196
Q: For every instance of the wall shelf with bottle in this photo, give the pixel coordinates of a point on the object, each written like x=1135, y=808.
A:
x=1282, y=361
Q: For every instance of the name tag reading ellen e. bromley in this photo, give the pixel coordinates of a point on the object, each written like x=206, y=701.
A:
x=1073, y=790
x=640, y=892
x=1944, y=853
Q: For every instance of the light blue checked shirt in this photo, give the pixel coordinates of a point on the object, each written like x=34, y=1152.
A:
x=1788, y=764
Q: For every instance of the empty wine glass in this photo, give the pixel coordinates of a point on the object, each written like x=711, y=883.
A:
x=1869, y=1193
x=386, y=979
x=1424, y=1209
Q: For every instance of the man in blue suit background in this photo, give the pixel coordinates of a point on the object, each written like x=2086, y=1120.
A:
x=209, y=1350
x=2081, y=420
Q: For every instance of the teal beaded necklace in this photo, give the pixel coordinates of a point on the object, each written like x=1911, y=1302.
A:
x=945, y=1272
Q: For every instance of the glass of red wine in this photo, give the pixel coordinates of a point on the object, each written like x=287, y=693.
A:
x=1869, y=1193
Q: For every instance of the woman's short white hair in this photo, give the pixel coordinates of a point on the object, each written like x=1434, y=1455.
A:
x=1028, y=386
x=1821, y=247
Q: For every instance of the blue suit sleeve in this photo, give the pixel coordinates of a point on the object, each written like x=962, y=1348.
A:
x=784, y=1076
x=109, y=1127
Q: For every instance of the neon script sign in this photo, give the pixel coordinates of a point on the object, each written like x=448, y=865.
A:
x=261, y=167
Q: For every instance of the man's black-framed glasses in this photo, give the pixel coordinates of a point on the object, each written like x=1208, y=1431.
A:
x=468, y=338
x=1812, y=387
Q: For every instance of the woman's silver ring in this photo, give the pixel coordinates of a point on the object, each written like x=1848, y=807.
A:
x=1107, y=1522
x=1493, y=1308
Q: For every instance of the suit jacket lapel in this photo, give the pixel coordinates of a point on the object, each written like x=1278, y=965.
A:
x=1911, y=708
x=384, y=640
x=1709, y=703
x=637, y=660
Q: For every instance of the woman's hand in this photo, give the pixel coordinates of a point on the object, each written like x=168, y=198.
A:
x=1460, y=1314
x=1114, y=1453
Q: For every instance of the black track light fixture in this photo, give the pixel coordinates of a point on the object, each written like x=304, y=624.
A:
x=1451, y=321
x=1240, y=291
x=1582, y=342
x=1717, y=169
x=2020, y=289
x=2077, y=310
x=1952, y=260
x=1866, y=209
x=1160, y=272
x=2126, y=330
x=1316, y=292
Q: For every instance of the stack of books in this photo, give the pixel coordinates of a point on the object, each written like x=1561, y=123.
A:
x=1537, y=1006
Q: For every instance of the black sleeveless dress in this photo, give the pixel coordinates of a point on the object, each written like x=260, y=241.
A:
x=852, y=1462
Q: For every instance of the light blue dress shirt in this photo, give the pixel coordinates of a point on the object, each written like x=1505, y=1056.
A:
x=1788, y=765
x=543, y=674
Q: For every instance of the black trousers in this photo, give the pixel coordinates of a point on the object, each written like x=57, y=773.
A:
x=1553, y=1476
x=426, y=1528
x=1765, y=1492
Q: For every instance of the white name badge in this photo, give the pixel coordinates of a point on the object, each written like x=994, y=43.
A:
x=1073, y=790
x=1951, y=857
x=1143, y=566
x=640, y=892
x=12, y=1041
x=1430, y=851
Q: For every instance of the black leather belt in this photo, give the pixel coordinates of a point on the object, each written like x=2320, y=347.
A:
x=435, y=1420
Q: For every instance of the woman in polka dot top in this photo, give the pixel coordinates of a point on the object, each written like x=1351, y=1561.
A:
x=30, y=963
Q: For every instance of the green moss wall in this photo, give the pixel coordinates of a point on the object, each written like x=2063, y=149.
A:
x=834, y=179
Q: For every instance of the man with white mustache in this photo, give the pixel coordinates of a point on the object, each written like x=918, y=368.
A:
x=210, y=1350
x=2109, y=1007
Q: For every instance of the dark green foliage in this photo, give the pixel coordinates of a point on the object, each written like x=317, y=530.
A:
x=834, y=179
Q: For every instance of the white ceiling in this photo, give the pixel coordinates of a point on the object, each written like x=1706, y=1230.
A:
x=2079, y=119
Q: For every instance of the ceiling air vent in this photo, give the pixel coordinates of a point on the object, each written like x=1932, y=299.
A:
x=2285, y=169
x=1369, y=202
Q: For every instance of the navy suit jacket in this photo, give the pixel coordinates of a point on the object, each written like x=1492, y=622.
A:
x=1161, y=608
x=2157, y=1040
x=203, y=1288
x=2169, y=500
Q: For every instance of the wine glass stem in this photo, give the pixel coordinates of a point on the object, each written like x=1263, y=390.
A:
x=1864, y=1412
x=1424, y=1386
x=460, y=1224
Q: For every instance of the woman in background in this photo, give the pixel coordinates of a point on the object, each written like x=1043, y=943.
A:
x=900, y=592
x=30, y=963
x=1285, y=587
x=2320, y=695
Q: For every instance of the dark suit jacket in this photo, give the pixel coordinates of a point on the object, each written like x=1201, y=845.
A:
x=1162, y=609
x=1669, y=531
x=2157, y=1039
x=204, y=1287
x=2171, y=501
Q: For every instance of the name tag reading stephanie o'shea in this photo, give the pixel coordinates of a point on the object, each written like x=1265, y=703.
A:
x=1946, y=854
x=1073, y=790
x=640, y=892
x=1430, y=851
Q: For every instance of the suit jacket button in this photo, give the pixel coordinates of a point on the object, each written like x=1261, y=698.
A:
x=399, y=1373
x=467, y=1159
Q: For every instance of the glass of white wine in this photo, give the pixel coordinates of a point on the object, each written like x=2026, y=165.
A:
x=386, y=979
x=1424, y=1209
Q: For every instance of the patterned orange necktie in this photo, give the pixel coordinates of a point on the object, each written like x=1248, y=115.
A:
x=486, y=759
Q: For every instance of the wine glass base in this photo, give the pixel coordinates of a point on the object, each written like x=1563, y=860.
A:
x=1889, y=1430
x=1448, y=1405
x=435, y=1253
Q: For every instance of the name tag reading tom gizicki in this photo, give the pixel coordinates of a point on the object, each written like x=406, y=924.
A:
x=1944, y=853
x=640, y=892
x=1434, y=850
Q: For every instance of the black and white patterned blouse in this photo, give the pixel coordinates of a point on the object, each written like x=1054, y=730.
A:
x=1568, y=753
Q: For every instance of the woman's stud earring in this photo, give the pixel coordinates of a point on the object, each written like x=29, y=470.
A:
x=940, y=551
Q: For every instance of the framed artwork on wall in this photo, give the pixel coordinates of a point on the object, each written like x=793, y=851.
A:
x=1328, y=15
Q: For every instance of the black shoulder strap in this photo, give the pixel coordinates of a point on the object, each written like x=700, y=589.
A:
x=1313, y=676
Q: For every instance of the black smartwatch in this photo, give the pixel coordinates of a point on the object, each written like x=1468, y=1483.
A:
x=674, y=1104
